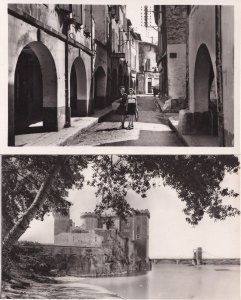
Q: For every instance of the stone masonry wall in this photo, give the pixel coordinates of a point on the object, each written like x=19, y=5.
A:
x=176, y=71
x=176, y=23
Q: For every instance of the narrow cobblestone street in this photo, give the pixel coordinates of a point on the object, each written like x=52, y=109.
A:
x=150, y=130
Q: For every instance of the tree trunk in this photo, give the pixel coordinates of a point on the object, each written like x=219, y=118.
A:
x=22, y=224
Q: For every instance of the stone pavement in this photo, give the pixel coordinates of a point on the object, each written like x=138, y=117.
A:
x=62, y=137
x=150, y=130
x=193, y=140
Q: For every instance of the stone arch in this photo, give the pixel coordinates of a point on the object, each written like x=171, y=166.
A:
x=203, y=78
x=78, y=88
x=203, y=88
x=35, y=90
x=100, y=88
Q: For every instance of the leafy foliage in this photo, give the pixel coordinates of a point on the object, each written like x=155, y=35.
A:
x=22, y=178
x=196, y=179
x=109, y=179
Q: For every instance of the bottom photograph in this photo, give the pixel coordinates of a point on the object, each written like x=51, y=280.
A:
x=120, y=226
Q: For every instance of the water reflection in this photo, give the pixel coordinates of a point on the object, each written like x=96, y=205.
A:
x=176, y=281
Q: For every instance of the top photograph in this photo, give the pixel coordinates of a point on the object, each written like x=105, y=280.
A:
x=121, y=75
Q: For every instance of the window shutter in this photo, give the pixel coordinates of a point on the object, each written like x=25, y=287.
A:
x=117, y=13
x=65, y=7
x=77, y=11
x=88, y=19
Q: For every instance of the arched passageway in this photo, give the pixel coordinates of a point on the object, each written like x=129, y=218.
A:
x=35, y=90
x=78, y=89
x=204, y=93
x=100, y=88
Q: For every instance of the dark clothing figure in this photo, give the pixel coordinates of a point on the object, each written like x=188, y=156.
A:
x=122, y=109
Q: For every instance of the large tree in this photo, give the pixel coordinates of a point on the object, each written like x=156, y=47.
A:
x=197, y=180
x=35, y=185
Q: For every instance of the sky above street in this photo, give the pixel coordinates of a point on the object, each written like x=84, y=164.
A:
x=170, y=235
x=133, y=12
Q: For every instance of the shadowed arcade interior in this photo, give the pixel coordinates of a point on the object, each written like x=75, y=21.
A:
x=78, y=89
x=205, y=118
x=35, y=90
x=100, y=88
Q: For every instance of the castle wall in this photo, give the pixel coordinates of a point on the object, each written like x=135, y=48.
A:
x=90, y=221
x=124, y=247
x=83, y=239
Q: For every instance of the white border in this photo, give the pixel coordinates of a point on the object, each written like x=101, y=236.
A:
x=4, y=149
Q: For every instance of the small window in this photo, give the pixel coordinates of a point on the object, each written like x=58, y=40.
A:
x=173, y=55
x=137, y=236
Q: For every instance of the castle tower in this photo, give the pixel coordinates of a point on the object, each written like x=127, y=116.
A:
x=199, y=256
x=90, y=220
x=136, y=229
x=62, y=223
x=141, y=233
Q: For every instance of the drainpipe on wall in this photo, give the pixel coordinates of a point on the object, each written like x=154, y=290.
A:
x=130, y=60
x=219, y=76
x=66, y=79
x=92, y=60
x=187, y=56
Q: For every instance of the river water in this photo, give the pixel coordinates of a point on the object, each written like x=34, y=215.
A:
x=165, y=281
x=170, y=281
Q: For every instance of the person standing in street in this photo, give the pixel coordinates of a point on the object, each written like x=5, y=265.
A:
x=122, y=109
x=131, y=107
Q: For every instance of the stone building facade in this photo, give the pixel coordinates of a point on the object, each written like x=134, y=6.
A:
x=148, y=76
x=171, y=59
x=196, y=61
x=41, y=38
x=122, y=248
x=65, y=60
x=211, y=72
x=133, y=57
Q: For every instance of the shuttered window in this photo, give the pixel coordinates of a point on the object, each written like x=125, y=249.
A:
x=77, y=11
x=88, y=19
x=65, y=7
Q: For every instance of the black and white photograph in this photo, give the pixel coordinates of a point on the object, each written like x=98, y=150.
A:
x=121, y=75
x=120, y=149
x=120, y=226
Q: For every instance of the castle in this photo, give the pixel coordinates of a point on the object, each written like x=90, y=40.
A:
x=117, y=247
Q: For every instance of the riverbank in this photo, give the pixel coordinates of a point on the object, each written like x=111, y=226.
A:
x=63, y=288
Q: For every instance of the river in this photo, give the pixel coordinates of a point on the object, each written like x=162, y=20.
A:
x=171, y=281
x=165, y=281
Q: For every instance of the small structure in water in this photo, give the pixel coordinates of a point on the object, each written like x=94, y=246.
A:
x=197, y=256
